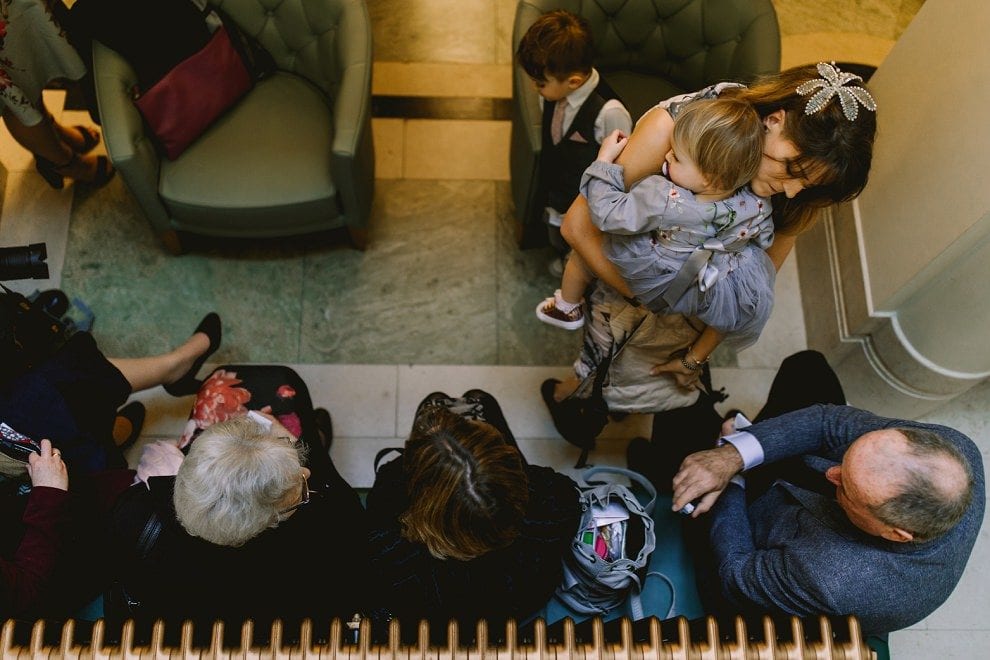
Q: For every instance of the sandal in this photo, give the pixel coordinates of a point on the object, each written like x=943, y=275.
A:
x=104, y=172
x=55, y=174
x=90, y=138
x=49, y=171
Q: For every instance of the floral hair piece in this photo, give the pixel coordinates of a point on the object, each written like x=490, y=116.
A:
x=834, y=83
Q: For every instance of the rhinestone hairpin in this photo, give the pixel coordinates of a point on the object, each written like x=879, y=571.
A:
x=834, y=83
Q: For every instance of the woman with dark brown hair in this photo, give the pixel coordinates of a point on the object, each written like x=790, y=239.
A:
x=819, y=127
x=461, y=526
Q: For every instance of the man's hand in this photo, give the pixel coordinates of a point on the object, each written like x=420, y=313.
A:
x=612, y=146
x=704, y=475
x=47, y=469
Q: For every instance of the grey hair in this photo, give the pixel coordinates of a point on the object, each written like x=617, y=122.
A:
x=923, y=507
x=229, y=487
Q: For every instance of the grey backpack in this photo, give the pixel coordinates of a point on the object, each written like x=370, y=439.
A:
x=594, y=584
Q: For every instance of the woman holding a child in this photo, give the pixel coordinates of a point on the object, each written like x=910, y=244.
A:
x=819, y=125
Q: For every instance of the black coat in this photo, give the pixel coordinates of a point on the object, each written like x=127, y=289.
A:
x=513, y=582
x=312, y=565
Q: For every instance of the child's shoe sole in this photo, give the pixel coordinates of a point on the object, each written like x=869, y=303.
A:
x=575, y=324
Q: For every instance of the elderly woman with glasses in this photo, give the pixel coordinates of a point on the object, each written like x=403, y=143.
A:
x=255, y=524
x=239, y=480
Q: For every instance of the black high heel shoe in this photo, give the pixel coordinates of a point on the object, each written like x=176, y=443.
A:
x=188, y=383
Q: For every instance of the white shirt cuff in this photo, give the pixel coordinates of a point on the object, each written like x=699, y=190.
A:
x=748, y=447
x=738, y=480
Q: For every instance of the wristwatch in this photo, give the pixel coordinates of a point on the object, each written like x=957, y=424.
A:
x=697, y=363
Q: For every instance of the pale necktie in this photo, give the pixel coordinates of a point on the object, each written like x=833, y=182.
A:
x=557, y=122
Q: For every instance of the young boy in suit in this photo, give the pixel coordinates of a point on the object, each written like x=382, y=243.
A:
x=579, y=109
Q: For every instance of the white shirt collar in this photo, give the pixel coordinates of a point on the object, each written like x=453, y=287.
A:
x=577, y=98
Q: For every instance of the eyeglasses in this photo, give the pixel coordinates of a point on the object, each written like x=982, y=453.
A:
x=303, y=500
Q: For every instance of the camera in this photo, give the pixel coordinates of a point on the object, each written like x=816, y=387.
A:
x=24, y=262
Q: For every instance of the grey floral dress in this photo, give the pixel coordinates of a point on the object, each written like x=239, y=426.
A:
x=627, y=339
x=33, y=52
x=676, y=253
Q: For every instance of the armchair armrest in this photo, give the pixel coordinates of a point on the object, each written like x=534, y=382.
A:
x=353, y=154
x=129, y=148
x=526, y=140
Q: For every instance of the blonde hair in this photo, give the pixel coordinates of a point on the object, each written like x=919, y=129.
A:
x=724, y=138
x=467, y=487
x=228, y=489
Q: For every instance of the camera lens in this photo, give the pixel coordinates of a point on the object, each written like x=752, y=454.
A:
x=24, y=262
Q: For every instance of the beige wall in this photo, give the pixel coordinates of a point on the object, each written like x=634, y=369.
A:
x=907, y=314
x=929, y=182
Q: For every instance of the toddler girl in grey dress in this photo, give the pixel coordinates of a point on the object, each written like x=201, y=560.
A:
x=675, y=237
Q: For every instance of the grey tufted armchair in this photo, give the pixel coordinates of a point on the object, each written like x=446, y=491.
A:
x=648, y=51
x=294, y=156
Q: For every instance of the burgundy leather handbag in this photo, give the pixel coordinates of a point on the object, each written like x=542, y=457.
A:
x=194, y=94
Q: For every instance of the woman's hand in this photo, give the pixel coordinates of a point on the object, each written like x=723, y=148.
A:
x=47, y=469
x=612, y=146
x=159, y=459
x=685, y=378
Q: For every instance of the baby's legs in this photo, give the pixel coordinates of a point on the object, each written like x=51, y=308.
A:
x=575, y=280
x=564, y=308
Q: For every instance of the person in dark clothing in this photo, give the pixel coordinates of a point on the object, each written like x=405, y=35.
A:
x=240, y=516
x=52, y=548
x=579, y=109
x=461, y=526
x=25, y=578
x=838, y=512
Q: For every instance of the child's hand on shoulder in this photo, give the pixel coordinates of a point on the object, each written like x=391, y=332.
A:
x=612, y=146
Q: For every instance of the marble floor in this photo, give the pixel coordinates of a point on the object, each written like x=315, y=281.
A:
x=442, y=299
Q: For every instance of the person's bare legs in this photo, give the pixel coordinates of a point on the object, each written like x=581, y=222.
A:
x=44, y=139
x=41, y=139
x=147, y=372
x=74, y=137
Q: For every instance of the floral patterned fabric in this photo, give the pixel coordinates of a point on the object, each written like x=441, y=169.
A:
x=33, y=52
x=222, y=396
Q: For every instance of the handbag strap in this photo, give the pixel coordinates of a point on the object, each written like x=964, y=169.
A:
x=383, y=453
x=632, y=475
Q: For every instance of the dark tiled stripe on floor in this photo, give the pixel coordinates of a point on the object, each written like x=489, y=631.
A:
x=428, y=107
x=401, y=107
